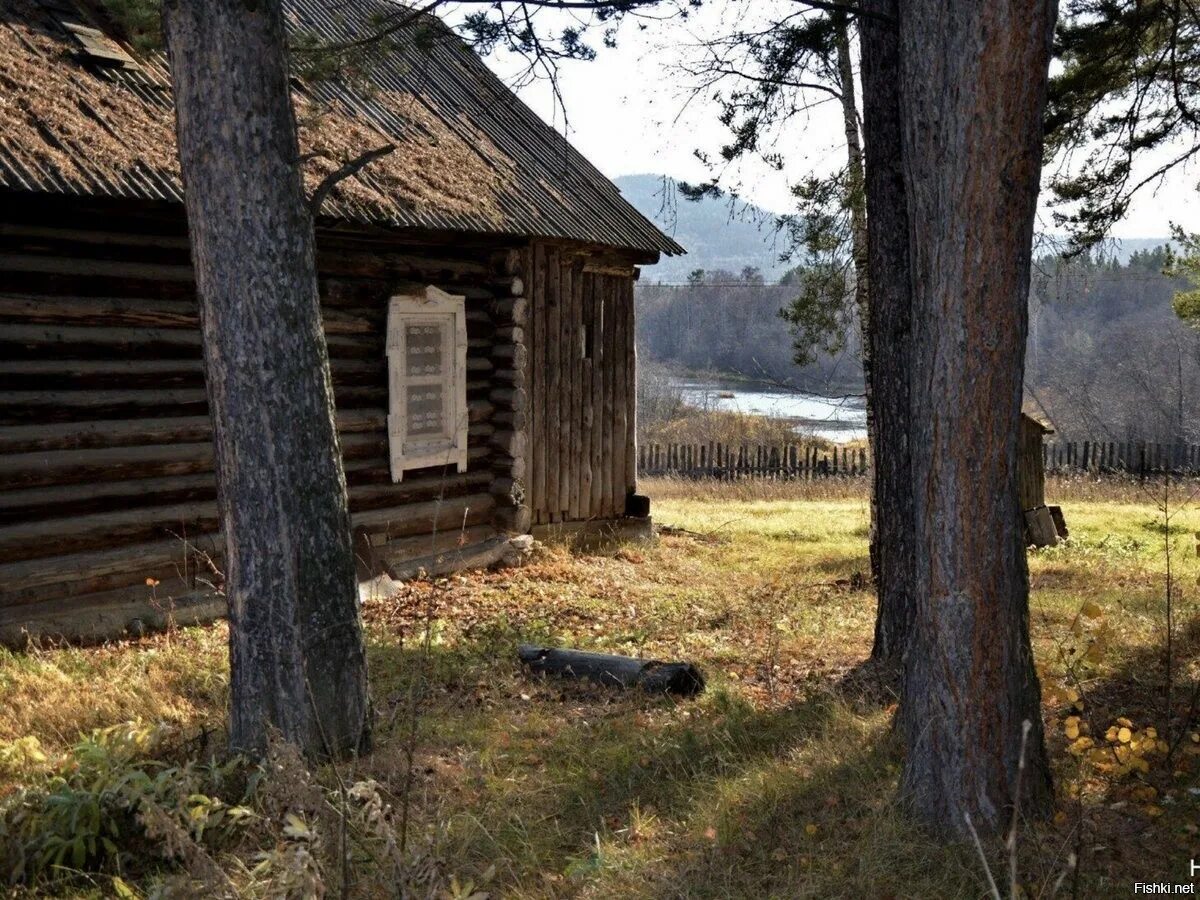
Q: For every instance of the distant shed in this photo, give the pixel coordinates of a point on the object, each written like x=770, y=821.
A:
x=1031, y=463
x=476, y=293
x=1044, y=525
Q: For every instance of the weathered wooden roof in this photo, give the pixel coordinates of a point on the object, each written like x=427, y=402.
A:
x=1032, y=409
x=76, y=118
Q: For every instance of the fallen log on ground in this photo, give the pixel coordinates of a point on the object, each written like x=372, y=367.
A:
x=650, y=675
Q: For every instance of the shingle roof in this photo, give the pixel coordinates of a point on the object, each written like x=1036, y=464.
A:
x=471, y=156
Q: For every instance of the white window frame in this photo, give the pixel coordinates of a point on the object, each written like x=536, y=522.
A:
x=449, y=447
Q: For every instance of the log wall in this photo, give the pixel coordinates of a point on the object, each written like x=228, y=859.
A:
x=108, y=502
x=582, y=386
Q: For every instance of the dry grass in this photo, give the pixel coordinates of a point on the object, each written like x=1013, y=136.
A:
x=732, y=429
x=780, y=780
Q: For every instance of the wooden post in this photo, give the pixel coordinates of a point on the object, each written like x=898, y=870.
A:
x=610, y=362
x=538, y=431
x=569, y=466
x=554, y=378
x=587, y=292
x=599, y=377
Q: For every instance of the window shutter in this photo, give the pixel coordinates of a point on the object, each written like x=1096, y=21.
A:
x=427, y=391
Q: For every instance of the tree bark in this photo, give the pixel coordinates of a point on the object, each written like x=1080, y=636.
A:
x=297, y=662
x=888, y=331
x=972, y=92
x=856, y=199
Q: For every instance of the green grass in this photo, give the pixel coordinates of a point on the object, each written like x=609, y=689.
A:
x=779, y=781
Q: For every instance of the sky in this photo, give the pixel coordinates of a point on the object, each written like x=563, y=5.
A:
x=630, y=111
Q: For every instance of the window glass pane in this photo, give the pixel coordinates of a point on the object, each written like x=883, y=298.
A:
x=425, y=409
x=423, y=349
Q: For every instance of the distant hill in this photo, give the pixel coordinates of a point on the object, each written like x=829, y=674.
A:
x=720, y=233
x=716, y=232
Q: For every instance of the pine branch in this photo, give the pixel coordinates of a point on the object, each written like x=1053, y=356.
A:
x=353, y=167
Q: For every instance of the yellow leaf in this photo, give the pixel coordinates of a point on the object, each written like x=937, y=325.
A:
x=1060, y=818
x=1124, y=735
x=810, y=829
x=1153, y=811
x=1111, y=734
x=1092, y=610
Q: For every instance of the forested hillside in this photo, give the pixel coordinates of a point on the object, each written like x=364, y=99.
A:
x=718, y=232
x=1107, y=357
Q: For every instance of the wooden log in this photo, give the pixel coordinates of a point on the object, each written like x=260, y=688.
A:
x=83, y=342
x=96, y=496
x=1039, y=527
x=38, y=469
x=136, y=432
x=1060, y=521
x=78, y=265
x=135, y=313
x=514, y=310
x=99, y=570
x=610, y=670
x=475, y=556
x=420, y=518
x=106, y=616
x=393, y=555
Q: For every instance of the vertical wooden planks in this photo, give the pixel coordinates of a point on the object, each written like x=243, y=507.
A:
x=620, y=409
x=576, y=353
x=537, y=432
x=608, y=351
x=598, y=379
x=553, y=381
x=588, y=298
x=630, y=363
x=566, y=387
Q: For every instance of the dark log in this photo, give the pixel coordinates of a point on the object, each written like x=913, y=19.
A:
x=1060, y=521
x=610, y=670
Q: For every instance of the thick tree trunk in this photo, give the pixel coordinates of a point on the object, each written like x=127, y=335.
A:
x=888, y=328
x=973, y=87
x=296, y=648
x=856, y=197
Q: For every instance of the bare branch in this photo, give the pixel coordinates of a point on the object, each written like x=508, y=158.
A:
x=353, y=167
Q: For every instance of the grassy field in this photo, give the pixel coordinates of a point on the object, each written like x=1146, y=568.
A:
x=779, y=781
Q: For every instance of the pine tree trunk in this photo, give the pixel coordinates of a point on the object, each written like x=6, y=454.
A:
x=972, y=93
x=297, y=662
x=856, y=198
x=888, y=330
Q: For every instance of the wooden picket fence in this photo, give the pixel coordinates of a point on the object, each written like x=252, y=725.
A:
x=788, y=462
x=801, y=462
x=1130, y=457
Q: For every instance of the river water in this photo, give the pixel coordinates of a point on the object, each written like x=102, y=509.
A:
x=833, y=418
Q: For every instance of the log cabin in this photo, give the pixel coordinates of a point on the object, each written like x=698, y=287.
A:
x=477, y=300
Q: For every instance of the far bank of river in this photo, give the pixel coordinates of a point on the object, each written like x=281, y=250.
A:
x=832, y=418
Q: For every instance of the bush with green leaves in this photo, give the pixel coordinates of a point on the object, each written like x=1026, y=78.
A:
x=103, y=806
